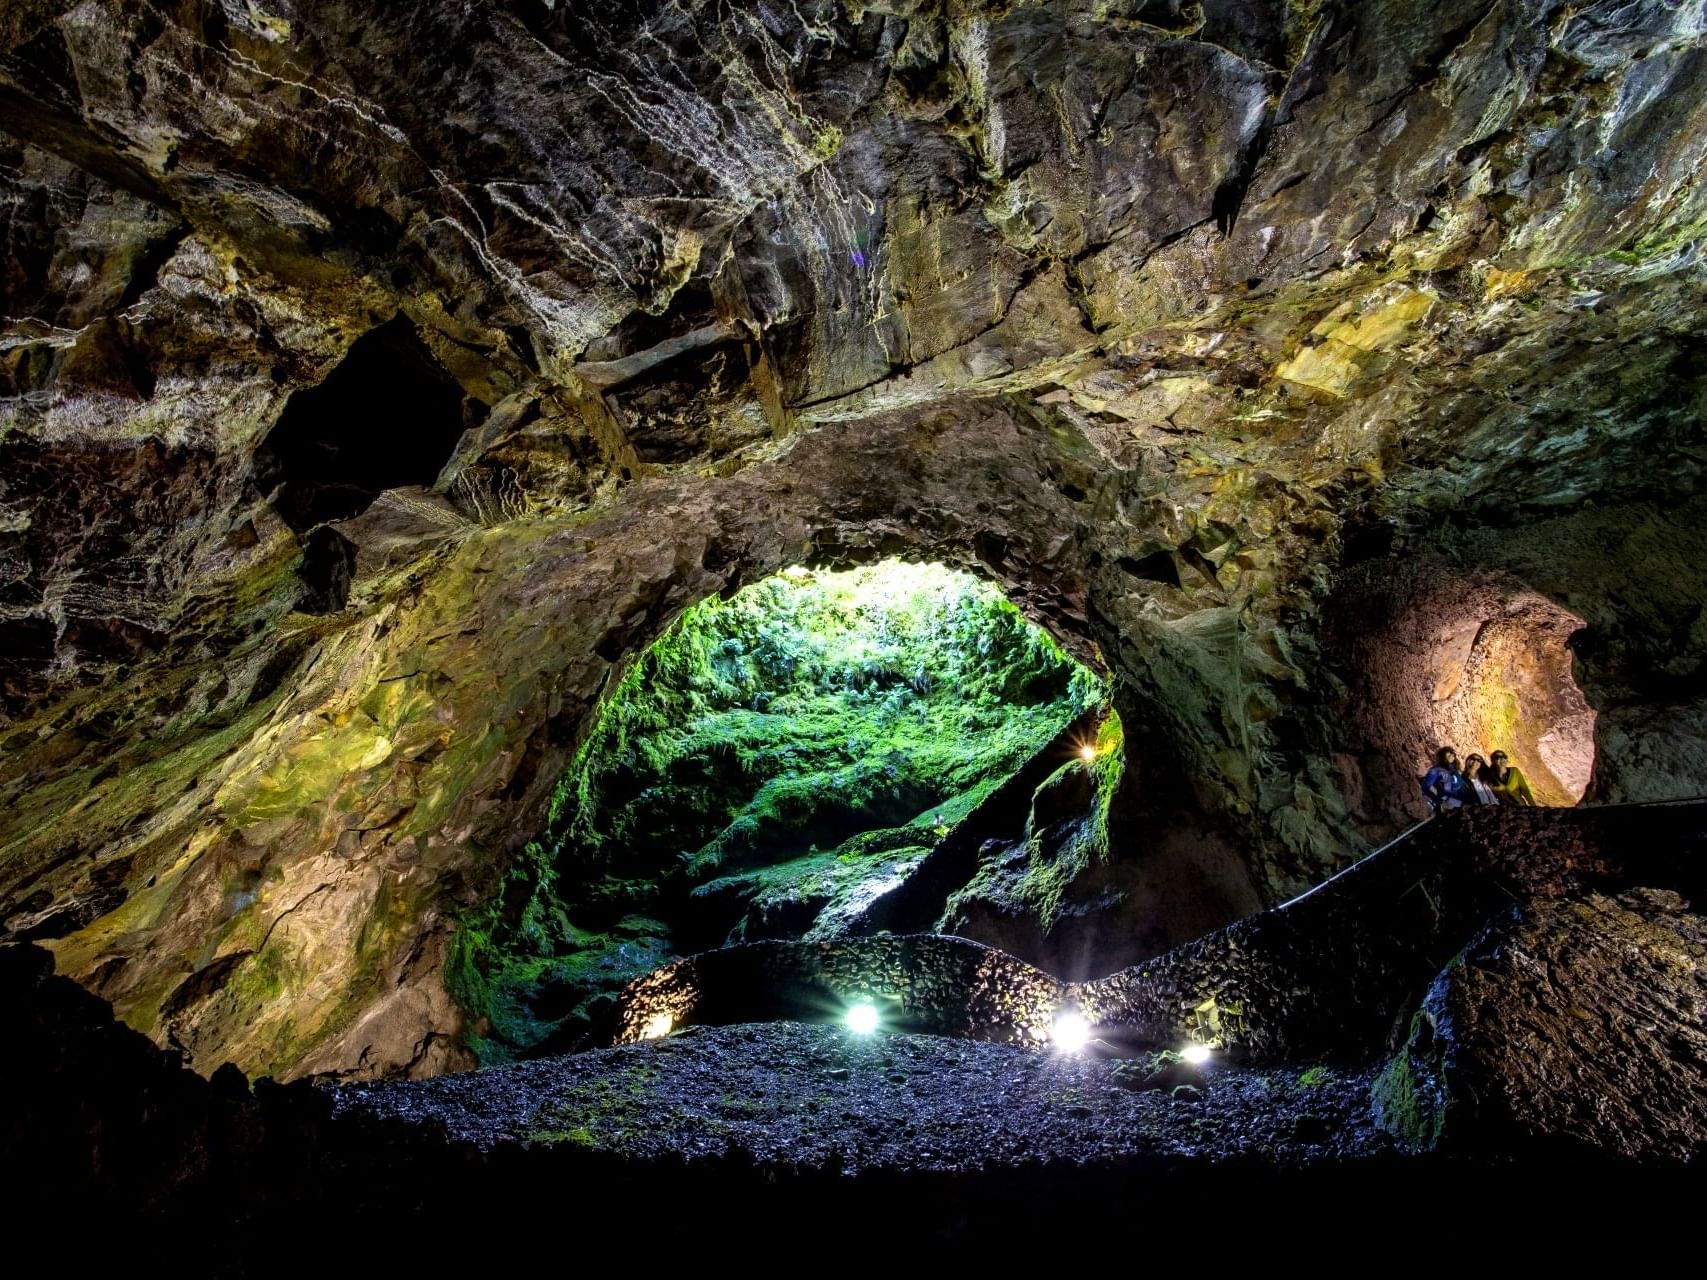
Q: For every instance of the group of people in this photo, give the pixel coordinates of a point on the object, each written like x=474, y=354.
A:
x=1492, y=781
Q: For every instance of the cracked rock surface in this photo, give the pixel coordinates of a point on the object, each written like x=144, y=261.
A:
x=1572, y=1023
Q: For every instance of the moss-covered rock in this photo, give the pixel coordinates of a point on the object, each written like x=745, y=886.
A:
x=1410, y=1096
x=797, y=712
x=770, y=767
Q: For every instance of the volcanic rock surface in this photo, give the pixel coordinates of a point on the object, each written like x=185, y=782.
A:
x=379, y=379
x=1575, y=1022
x=791, y=1095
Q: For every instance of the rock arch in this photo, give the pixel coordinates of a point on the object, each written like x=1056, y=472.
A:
x=333, y=842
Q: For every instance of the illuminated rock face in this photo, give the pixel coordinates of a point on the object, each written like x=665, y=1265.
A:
x=1129, y=307
x=1443, y=654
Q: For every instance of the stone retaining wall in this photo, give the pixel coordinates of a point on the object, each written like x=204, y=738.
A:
x=919, y=982
x=1330, y=974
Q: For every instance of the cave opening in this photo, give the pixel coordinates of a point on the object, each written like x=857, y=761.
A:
x=1506, y=682
x=388, y=416
x=794, y=761
x=1476, y=661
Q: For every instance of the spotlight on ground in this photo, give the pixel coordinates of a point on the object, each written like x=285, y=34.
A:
x=1196, y=1054
x=657, y=1027
x=1071, y=1032
x=861, y=1018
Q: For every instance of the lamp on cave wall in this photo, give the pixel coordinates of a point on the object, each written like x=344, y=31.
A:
x=659, y=1003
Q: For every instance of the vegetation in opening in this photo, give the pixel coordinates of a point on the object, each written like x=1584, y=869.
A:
x=1067, y=832
x=770, y=764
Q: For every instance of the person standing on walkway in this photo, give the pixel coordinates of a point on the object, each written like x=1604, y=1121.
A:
x=1444, y=786
x=1507, y=781
x=1477, y=789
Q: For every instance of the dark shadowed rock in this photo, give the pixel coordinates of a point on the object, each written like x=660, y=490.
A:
x=1572, y=1023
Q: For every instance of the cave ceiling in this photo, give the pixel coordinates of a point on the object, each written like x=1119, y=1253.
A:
x=1142, y=308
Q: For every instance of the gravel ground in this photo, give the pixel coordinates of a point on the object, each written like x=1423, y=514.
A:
x=799, y=1096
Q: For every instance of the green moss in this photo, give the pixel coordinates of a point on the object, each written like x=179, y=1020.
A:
x=1664, y=241
x=1302, y=17
x=580, y=1137
x=1410, y=1100
x=1109, y=767
x=1056, y=856
x=824, y=886
x=806, y=707
x=788, y=745
x=600, y=1113
x=522, y=970
x=826, y=142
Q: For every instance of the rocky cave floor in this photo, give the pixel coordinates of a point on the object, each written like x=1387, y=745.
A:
x=1562, y=1067
x=797, y=1096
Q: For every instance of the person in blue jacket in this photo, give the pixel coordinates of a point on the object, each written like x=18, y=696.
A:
x=1444, y=786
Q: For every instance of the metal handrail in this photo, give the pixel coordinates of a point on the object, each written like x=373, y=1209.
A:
x=1411, y=830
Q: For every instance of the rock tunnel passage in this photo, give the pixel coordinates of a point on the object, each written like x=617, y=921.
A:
x=781, y=764
x=1512, y=690
x=378, y=383
x=1444, y=654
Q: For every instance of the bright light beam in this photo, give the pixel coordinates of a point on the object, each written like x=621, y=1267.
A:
x=861, y=1018
x=1196, y=1054
x=1071, y=1032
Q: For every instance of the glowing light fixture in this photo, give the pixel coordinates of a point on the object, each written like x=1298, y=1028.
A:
x=1071, y=1032
x=1088, y=752
x=1196, y=1054
x=861, y=1018
x=657, y=1027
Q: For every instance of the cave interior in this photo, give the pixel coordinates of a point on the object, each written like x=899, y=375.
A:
x=842, y=611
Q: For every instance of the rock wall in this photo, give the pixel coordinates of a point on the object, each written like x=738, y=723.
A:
x=1565, y=1024
x=1336, y=972
x=918, y=982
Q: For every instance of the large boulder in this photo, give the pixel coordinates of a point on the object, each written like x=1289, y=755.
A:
x=1570, y=1022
